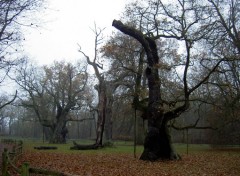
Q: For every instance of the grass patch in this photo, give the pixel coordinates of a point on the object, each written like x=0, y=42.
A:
x=123, y=147
x=191, y=148
x=120, y=147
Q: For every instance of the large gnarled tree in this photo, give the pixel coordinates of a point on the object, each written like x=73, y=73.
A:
x=161, y=20
x=53, y=93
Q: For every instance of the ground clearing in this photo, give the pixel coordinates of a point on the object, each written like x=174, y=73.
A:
x=200, y=161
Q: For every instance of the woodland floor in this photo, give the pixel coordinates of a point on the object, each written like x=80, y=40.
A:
x=203, y=163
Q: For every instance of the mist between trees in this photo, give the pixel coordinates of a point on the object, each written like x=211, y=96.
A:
x=170, y=69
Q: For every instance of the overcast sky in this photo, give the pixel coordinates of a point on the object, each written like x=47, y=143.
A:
x=67, y=23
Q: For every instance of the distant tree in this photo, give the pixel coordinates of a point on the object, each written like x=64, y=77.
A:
x=223, y=98
x=53, y=92
x=223, y=87
x=225, y=37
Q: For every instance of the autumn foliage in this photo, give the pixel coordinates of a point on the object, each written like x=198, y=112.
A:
x=209, y=162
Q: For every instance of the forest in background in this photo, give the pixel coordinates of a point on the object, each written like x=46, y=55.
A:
x=103, y=97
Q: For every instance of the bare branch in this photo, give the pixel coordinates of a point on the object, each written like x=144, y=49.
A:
x=9, y=102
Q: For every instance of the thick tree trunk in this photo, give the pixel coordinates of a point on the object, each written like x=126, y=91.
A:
x=59, y=131
x=157, y=143
x=59, y=136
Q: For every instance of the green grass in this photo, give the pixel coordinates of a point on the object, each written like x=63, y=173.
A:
x=184, y=148
x=119, y=147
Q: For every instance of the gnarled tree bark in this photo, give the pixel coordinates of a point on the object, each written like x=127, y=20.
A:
x=157, y=143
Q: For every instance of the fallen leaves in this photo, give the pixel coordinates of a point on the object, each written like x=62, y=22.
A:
x=201, y=163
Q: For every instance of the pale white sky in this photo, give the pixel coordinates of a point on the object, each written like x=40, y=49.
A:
x=67, y=23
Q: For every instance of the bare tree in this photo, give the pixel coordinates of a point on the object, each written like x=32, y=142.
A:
x=225, y=38
x=105, y=88
x=185, y=22
x=13, y=15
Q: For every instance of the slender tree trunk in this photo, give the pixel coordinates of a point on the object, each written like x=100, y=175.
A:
x=101, y=114
x=140, y=131
x=108, y=122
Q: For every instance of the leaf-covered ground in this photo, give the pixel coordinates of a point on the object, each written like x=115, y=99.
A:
x=215, y=163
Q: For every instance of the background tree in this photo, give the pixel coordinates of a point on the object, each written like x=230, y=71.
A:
x=105, y=88
x=126, y=58
x=223, y=43
x=53, y=93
